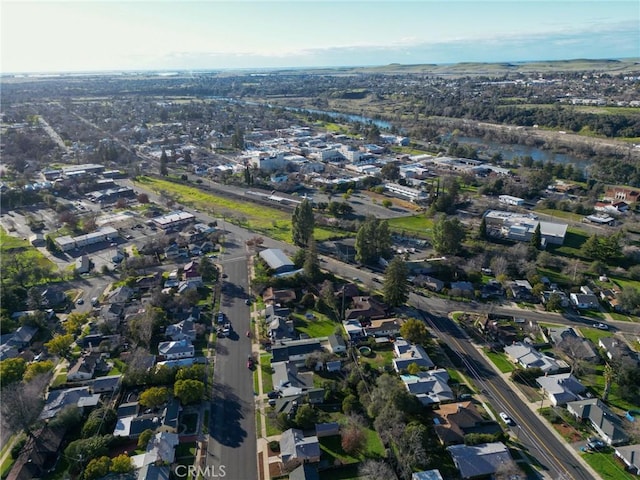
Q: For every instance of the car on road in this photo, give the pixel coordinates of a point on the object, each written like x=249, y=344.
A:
x=80, y=301
x=250, y=362
x=247, y=301
x=601, y=326
x=507, y=419
x=220, y=318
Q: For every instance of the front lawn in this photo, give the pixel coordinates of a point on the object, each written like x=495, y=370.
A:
x=418, y=225
x=501, y=361
x=607, y=466
x=267, y=372
x=331, y=449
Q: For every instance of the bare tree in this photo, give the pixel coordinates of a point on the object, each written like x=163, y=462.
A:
x=375, y=470
x=22, y=403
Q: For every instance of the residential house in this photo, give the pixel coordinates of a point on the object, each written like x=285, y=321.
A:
x=521, y=291
x=161, y=449
x=577, y=347
x=606, y=423
x=365, y=307
x=561, y=388
x=431, y=283
x=337, y=344
x=478, y=461
x=462, y=289
x=383, y=327
x=492, y=289
x=296, y=448
x=584, y=301
x=174, y=252
x=354, y=329
x=453, y=421
x=84, y=368
x=53, y=297
x=132, y=426
x=287, y=378
x=430, y=388
x=23, y=336
x=305, y=471
x=610, y=297
x=176, y=349
x=154, y=472
x=170, y=415
x=407, y=353
x=107, y=384
x=528, y=357
x=630, y=455
x=57, y=400
x=112, y=314
x=191, y=272
x=279, y=326
x=38, y=457
x=278, y=297
x=617, y=350
x=295, y=350
x=121, y=294
x=184, y=330
x=625, y=194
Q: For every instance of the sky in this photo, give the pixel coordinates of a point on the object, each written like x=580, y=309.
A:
x=107, y=35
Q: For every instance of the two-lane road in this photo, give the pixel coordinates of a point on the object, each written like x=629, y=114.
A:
x=232, y=426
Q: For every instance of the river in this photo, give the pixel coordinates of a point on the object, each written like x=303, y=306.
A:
x=488, y=148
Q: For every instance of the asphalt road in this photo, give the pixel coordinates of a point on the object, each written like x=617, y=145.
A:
x=232, y=428
x=552, y=455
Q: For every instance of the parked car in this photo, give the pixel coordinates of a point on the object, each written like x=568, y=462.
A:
x=80, y=301
x=601, y=326
x=250, y=362
x=273, y=394
x=507, y=419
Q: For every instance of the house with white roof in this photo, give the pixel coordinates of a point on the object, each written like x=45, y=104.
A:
x=528, y=357
x=431, y=387
x=407, y=353
x=561, y=388
x=176, y=349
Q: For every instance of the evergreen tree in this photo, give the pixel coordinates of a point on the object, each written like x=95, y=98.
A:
x=536, y=238
x=302, y=223
x=164, y=171
x=311, y=262
x=396, y=287
x=447, y=235
x=373, y=240
x=483, y=228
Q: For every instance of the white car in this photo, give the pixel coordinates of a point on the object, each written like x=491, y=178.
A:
x=601, y=326
x=507, y=419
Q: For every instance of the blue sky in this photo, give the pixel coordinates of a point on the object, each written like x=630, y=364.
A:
x=88, y=35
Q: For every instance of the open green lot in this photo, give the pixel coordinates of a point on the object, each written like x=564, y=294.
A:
x=501, y=361
x=318, y=326
x=269, y=221
x=418, y=225
x=607, y=466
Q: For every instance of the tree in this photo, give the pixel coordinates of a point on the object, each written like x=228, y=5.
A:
x=447, y=235
x=536, y=238
x=121, y=464
x=413, y=368
x=554, y=303
x=189, y=391
x=311, y=265
x=79, y=452
x=482, y=231
x=207, y=270
x=22, y=403
x=328, y=297
x=302, y=223
x=60, y=345
x=306, y=416
x=353, y=439
x=390, y=171
x=375, y=470
x=415, y=331
x=144, y=438
x=396, y=287
x=12, y=370
x=194, y=372
x=154, y=397
x=373, y=240
x=97, y=468
x=629, y=300
x=164, y=171
x=142, y=198
x=101, y=421
x=36, y=368
x=74, y=322
x=350, y=404
x=68, y=418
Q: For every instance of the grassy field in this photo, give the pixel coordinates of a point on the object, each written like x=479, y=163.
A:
x=319, y=326
x=573, y=241
x=418, y=225
x=9, y=242
x=269, y=221
x=561, y=214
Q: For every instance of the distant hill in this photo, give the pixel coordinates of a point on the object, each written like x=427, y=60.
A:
x=627, y=65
